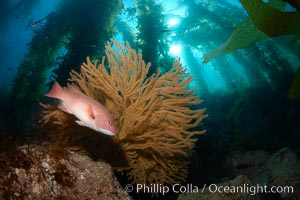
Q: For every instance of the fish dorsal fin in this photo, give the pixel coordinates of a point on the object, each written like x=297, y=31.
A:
x=72, y=89
x=90, y=112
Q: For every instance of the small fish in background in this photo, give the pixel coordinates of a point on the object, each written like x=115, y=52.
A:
x=10, y=68
x=89, y=112
x=38, y=22
x=34, y=24
x=165, y=31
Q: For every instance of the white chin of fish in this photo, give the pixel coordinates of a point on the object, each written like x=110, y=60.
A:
x=106, y=132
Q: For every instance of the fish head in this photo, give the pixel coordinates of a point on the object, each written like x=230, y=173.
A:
x=105, y=125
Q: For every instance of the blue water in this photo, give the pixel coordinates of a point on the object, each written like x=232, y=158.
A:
x=15, y=35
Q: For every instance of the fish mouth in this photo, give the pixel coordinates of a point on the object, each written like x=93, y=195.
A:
x=106, y=132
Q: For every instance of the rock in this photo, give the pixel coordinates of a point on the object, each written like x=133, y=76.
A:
x=77, y=177
x=281, y=169
x=247, y=162
x=235, y=186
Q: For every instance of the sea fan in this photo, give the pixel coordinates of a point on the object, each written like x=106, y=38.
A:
x=153, y=115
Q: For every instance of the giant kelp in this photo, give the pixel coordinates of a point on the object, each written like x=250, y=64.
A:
x=205, y=25
x=150, y=36
x=237, y=40
x=29, y=83
x=265, y=19
x=272, y=21
x=63, y=29
x=66, y=28
x=86, y=38
x=153, y=114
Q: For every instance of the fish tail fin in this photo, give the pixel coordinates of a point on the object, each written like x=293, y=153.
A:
x=56, y=91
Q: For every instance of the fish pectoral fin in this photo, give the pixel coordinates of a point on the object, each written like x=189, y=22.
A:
x=81, y=123
x=62, y=107
x=90, y=112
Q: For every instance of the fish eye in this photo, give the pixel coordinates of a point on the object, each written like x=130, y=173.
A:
x=109, y=122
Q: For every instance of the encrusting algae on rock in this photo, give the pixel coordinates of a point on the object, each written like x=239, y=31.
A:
x=153, y=116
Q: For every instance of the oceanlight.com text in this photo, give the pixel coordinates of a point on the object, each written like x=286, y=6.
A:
x=211, y=188
x=250, y=189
